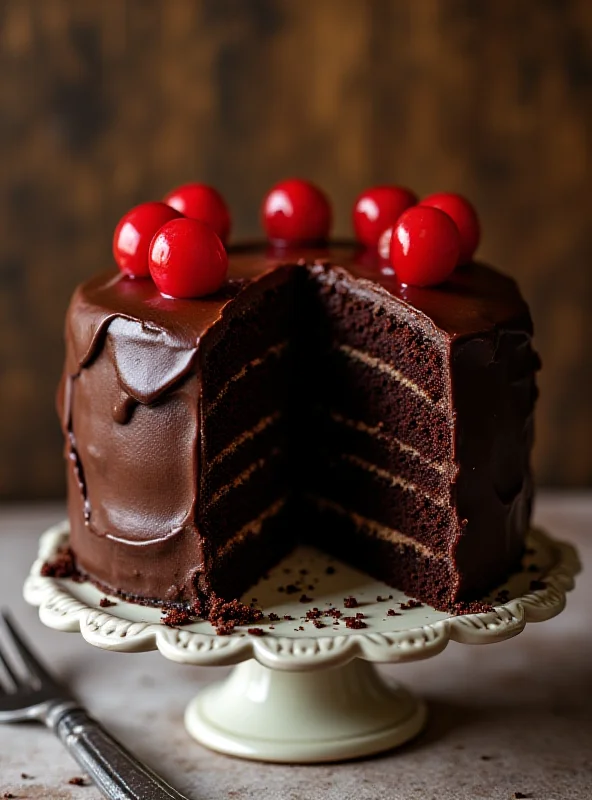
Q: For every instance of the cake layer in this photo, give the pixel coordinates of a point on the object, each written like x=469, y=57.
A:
x=367, y=327
x=243, y=497
x=255, y=549
x=373, y=444
x=268, y=432
x=385, y=554
x=357, y=390
x=389, y=499
x=263, y=390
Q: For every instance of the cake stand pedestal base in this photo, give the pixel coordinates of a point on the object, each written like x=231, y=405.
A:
x=331, y=714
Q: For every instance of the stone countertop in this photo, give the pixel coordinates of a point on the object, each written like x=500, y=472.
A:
x=514, y=717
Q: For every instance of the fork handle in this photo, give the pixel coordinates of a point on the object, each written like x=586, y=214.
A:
x=115, y=771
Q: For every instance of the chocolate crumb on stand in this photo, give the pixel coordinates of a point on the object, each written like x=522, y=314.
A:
x=77, y=781
x=409, y=605
x=354, y=623
x=226, y=615
x=350, y=602
x=62, y=565
x=104, y=602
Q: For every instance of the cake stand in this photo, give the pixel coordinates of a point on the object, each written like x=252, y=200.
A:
x=304, y=694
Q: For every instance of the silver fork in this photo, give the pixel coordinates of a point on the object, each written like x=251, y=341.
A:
x=33, y=694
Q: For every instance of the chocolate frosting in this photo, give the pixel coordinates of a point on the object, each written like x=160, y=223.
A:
x=132, y=374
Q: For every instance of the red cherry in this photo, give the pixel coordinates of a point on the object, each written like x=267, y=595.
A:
x=296, y=211
x=187, y=259
x=464, y=216
x=198, y=201
x=377, y=208
x=424, y=246
x=134, y=233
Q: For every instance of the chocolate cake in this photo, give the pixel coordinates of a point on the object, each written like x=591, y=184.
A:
x=312, y=398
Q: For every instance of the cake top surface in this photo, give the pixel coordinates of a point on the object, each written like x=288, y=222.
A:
x=474, y=299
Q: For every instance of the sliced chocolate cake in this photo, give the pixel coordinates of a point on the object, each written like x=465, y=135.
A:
x=313, y=396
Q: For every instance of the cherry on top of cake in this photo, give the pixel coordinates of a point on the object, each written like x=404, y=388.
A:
x=181, y=242
x=192, y=278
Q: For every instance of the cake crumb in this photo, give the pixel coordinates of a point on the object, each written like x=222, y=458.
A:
x=409, y=605
x=291, y=589
x=350, y=602
x=392, y=613
x=381, y=599
x=62, y=565
x=222, y=614
x=330, y=570
x=520, y=796
x=225, y=628
x=304, y=572
x=485, y=758
x=288, y=617
x=176, y=616
x=318, y=624
x=26, y=777
x=533, y=568
x=273, y=617
x=354, y=623
x=313, y=613
x=256, y=631
x=333, y=612
x=104, y=602
x=77, y=781
x=8, y=794
x=305, y=599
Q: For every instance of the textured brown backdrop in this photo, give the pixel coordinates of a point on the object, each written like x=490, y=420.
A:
x=105, y=103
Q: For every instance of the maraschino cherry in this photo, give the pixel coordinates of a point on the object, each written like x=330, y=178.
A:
x=198, y=201
x=296, y=211
x=463, y=215
x=424, y=246
x=133, y=235
x=187, y=259
x=378, y=208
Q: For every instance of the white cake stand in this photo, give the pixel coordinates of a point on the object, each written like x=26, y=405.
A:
x=301, y=694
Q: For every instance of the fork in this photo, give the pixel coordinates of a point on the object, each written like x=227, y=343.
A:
x=37, y=696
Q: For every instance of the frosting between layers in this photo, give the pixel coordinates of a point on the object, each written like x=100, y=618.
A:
x=394, y=480
x=377, y=431
x=274, y=351
x=242, y=477
x=376, y=529
x=263, y=424
x=252, y=528
x=388, y=369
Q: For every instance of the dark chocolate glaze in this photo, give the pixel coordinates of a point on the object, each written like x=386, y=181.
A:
x=130, y=408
